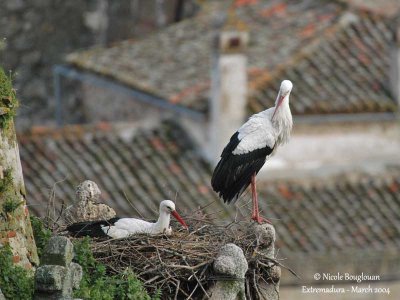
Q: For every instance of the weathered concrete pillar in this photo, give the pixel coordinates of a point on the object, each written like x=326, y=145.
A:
x=265, y=237
x=228, y=88
x=15, y=225
x=58, y=275
x=232, y=266
x=395, y=60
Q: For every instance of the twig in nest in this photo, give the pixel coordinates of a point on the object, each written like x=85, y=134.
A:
x=197, y=230
x=255, y=283
x=192, y=293
x=198, y=281
x=151, y=280
x=50, y=220
x=276, y=263
x=177, y=290
x=191, y=268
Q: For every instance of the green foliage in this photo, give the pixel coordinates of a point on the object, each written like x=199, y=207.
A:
x=40, y=233
x=96, y=284
x=11, y=204
x=129, y=287
x=8, y=101
x=7, y=191
x=6, y=181
x=15, y=282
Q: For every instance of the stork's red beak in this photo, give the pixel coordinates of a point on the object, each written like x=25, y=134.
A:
x=179, y=218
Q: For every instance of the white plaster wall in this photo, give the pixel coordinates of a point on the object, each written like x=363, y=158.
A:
x=328, y=149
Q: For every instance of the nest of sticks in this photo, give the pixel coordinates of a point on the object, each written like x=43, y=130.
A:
x=180, y=265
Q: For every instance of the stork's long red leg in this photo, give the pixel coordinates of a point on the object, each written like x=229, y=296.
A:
x=256, y=213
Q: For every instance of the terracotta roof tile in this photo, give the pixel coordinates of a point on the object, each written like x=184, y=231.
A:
x=345, y=72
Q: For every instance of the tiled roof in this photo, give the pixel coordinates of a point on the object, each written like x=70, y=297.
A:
x=345, y=70
x=338, y=214
x=319, y=45
x=151, y=164
x=383, y=7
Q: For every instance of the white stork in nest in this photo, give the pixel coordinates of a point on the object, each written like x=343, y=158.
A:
x=124, y=227
x=250, y=147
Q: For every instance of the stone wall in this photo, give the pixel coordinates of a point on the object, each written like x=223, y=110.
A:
x=36, y=34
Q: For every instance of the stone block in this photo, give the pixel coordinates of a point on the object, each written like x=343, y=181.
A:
x=87, y=208
x=50, y=278
x=2, y=296
x=265, y=235
x=56, y=278
x=231, y=261
x=76, y=273
x=58, y=251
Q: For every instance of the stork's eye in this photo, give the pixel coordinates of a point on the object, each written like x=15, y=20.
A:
x=169, y=207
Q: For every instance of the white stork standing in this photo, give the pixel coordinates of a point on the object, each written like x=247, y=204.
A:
x=124, y=227
x=250, y=146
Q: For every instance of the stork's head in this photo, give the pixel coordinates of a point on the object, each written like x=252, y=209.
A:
x=284, y=92
x=168, y=206
x=286, y=87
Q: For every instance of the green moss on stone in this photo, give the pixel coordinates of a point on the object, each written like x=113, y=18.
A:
x=10, y=205
x=6, y=182
x=8, y=101
x=7, y=192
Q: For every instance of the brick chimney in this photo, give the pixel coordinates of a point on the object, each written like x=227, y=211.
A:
x=228, y=88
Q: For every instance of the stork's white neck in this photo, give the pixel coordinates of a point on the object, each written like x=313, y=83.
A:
x=163, y=221
x=283, y=121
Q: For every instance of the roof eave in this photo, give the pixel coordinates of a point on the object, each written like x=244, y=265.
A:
x=347, y=118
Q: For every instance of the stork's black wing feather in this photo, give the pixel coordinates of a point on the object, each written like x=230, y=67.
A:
x=231, y=146
x=91, y=228
x=232, y=174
